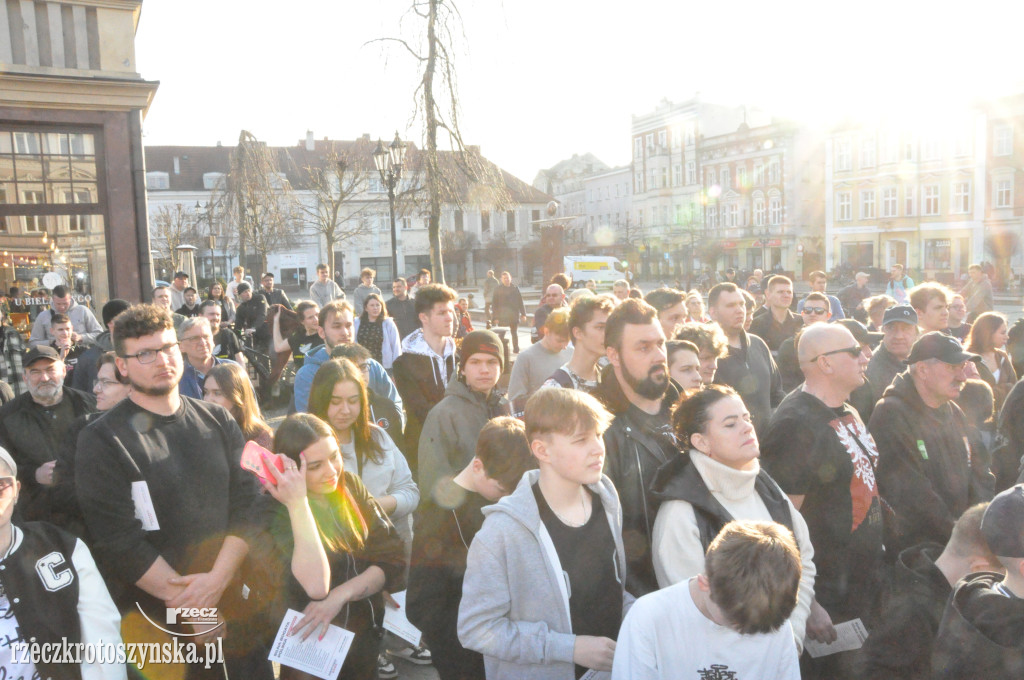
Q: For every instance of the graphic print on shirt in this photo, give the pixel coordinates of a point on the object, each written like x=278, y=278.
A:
x=857, y=441
x=717, y=671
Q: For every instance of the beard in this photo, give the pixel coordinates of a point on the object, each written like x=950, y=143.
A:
x=45, y=391
x=648, y=387
x=153, y=391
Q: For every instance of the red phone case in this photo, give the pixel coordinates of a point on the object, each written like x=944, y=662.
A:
x=253, y=460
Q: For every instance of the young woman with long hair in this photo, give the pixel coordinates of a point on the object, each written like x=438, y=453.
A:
x=377, y=332
x=227, y=308
x=337, y=549
x=988, y=338
x=338, y=396
x=228, y=385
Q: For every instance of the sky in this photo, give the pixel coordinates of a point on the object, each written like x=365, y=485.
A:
x=540, y=80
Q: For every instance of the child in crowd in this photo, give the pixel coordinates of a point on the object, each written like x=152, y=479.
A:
x=982, y=631
x=729, y=622
x=544, y=588
x=445, y=526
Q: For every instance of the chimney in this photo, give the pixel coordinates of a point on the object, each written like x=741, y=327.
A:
x=310, y=142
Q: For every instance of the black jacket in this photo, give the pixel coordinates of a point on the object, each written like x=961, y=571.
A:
x=251, y=314
x=881, y=370
x=88, y=364
x=633, y=457
x=772, y=333
x=1015, y=346
x=750, y=370
x=33, y=437
x=982, y=633
x=926, y=469
x=900, y=647
x=420, y=385
x=1008, y=448
x=679, y=480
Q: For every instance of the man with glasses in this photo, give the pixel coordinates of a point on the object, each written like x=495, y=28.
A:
x=174, y=463
x=926, y=468
x=819, y=451
x=819, y=281
x=197, y=346
x=813, y=309
x=33, y=426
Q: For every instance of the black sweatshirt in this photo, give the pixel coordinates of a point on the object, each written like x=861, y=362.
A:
x=190, y=463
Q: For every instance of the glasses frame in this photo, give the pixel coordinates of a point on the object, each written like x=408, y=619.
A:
x=165, y=350
x=854, y=352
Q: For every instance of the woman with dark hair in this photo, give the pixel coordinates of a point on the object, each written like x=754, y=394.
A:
x=228, y=385
x=988, y=338
x=227, y=308
x=377, y=332
x=335, y=544
x=338, y=396
x=715, y=479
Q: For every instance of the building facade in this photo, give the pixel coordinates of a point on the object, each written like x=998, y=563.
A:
x=72, y=199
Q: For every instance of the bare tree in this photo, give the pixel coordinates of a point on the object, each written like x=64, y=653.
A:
x=259, y=197
x=174, y=226
x=437, y=100
x=335, y=214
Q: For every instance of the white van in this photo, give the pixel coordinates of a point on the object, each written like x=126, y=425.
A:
x=604, y=270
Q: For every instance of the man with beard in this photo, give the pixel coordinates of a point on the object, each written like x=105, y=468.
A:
x=926, y=468
x=33, y=426
x=639, y=441
x=174, y=462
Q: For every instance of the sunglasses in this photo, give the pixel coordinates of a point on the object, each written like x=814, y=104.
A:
x=854, y=352
x=817, y=311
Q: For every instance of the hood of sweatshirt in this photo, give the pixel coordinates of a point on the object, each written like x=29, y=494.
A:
x=915, y=570
x=903, y=390
x=460, y=390
x=415, y=343
x=986, y=611
x=521, y=504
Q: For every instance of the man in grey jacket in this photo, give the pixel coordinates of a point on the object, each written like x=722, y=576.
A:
x=559, y=533
x=83, y=321
x=448, y=439
x=324, y=291
x=364, y=288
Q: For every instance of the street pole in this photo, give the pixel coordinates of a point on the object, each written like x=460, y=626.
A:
x=394, y=241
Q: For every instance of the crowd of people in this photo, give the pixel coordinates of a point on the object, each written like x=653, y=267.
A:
x=671, y=486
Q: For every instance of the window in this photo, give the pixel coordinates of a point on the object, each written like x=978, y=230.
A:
x=758, y=174
x=650, y=142
x=638, y=148
x=910, y=200
x=760, y=213
x=677, y=137
x=724, y=178
x=930, y=200
x=867, y=152
x=908, y=148
x=653, y=183
x=961, y=198
x=962, y=145
x=931, y=148
x=775, y=210
x=937, y=253
x=842, y=154
x=664, y=178
x=867, y=204
x=677, y=175
x=662, y=138
x=535, y=221
x=639, y=218
x=689, y=134
x=773, y=172
x=889, y=202
x=1003, y=193
x=374, y=186
x=1003, y=140
x=890, y=149
x=712, y=217
x=638, y=182
x=157, y=181
x=213, y=180
x=510, y=222
x=711, y=178
x=844, y=206
x=485, y=220
x=691, y=172
x=734, y=215
x=741, y=177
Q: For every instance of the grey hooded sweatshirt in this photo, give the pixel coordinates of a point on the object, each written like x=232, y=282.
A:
x=515, y=597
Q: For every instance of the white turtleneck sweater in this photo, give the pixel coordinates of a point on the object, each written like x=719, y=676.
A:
x=679, y=555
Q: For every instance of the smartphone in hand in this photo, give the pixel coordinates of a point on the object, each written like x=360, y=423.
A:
x=260, y=461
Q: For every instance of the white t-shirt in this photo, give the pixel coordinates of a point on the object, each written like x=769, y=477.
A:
x=665, y=636
x=10, y=633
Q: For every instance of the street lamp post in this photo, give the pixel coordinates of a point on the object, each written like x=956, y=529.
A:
x=764, y=235
x=389, y=162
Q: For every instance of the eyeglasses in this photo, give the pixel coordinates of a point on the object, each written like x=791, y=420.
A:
x=102, y=384
x=197, y=338
x=7, y=485
x=854, y=352
x=148, y=356
x=817, y=311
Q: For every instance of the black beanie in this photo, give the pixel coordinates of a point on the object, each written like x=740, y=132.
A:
x=113, y=308
x=483, y=341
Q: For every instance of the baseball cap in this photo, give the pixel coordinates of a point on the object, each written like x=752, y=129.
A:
x=37, y=352
x=904, y=313
x=482, y=341
x=1002, y=525
x=936, y=345
x=860, y=332
x=180, y=275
